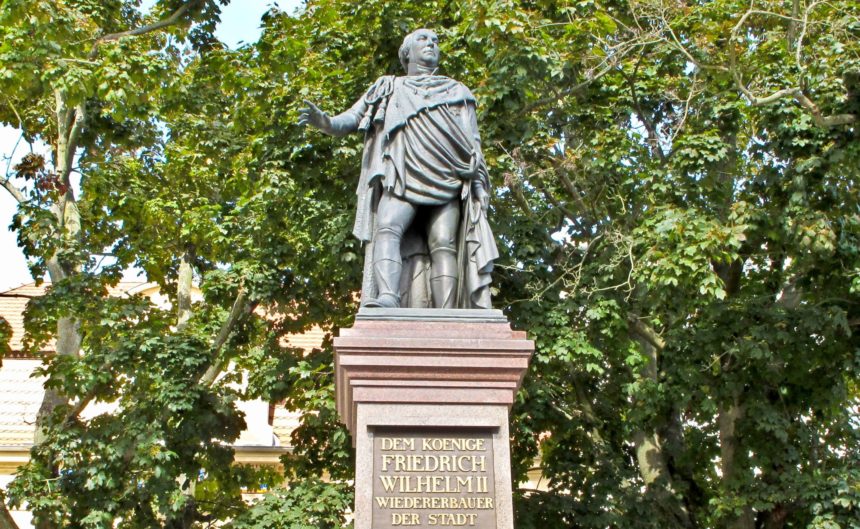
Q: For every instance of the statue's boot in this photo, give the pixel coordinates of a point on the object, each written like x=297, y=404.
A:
x=444, y=277
x=387, y=267
x=387, y=274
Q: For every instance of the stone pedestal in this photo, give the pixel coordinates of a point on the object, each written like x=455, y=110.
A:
x=425, y=394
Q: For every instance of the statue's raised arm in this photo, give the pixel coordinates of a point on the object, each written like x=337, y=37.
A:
x=424, y=187
x=340, y=125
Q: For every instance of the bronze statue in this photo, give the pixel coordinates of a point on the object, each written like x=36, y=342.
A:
x=424, y=188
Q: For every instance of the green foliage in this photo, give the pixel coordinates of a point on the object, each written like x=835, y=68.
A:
x=309, y=504
x=167, y=423
x=5, y=336
x=679, y=229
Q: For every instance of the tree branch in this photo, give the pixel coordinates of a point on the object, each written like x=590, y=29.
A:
x=680, y=46
x=79, y=118
x=241, y=308
x=794, y=92
x=767, y=100
x=586, y=213
x=646, y=332
x=588, y=412
x=17, y=115
x=611, y=60
x=653, y=137
x=798, y=95
x=14, y=191
x=149, y=28
x=519, y=196
x=822, y=121
x=65, y=120
x=12, y=155
x=679, y=125
x=79, y=407
x=570, y=215
x=514, y=182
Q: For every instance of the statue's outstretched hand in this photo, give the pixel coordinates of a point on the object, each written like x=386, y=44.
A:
x=311, y=114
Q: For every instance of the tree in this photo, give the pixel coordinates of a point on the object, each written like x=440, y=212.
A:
x=693, y=310
x=162, y=119
x=680, y=228
x=89, y=87
x=675, y=200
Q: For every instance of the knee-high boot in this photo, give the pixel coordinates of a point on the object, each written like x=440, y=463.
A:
x=444, y=277
x=387, y=267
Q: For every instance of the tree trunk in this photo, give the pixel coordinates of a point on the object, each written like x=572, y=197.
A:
x=6, y=521
x=68, y=341
x=184, y=285
x=731, y=274
x=728, y=417
x=650, y=456
x=777, y=517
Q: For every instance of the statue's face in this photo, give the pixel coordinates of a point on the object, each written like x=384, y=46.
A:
x=425, y=48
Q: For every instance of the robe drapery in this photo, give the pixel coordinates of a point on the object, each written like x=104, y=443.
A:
x=422, y=145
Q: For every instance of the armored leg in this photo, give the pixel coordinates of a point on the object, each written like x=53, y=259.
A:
x=442, y=241
x=393, y=217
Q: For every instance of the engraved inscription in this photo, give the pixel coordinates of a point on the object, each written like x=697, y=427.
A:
x=433, y=478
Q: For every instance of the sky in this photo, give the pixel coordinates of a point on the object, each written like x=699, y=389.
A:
x=240, y=23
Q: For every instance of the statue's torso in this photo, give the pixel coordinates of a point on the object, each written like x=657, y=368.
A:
x=427, y=149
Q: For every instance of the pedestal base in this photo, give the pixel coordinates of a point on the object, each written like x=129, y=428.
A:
x=425, y=394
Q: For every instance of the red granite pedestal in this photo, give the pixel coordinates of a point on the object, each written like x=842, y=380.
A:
x=425, y=394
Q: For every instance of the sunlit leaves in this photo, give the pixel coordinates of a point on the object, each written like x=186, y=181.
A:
x=309, y=504
x=673, y=249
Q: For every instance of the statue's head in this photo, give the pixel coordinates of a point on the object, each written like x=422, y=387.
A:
x=422, y=47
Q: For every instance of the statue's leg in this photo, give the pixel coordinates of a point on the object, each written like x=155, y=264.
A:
x=393, y=216
x=442, y=241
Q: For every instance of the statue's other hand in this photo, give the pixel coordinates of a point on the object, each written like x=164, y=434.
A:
x=482, y=195
x=311, y=114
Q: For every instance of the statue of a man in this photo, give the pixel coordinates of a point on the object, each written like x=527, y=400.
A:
x=423, y=191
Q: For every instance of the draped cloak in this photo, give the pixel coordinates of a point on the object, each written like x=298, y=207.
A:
x=421, y=144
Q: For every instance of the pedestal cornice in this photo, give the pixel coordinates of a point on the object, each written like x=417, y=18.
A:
x=428, y=356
